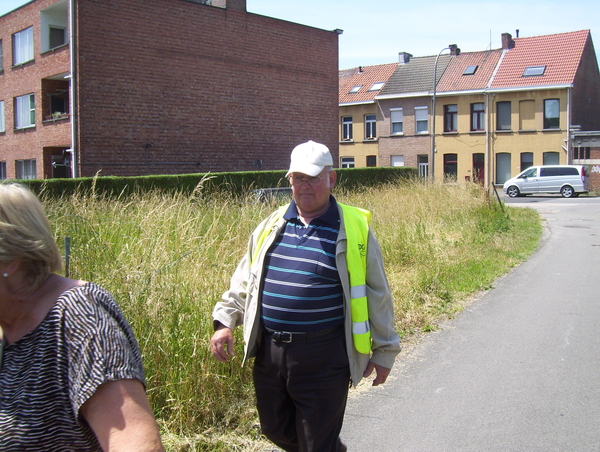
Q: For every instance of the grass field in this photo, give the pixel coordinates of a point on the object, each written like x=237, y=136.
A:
x=167, y=258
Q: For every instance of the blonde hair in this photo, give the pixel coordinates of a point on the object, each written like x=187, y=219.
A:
x=26, y=235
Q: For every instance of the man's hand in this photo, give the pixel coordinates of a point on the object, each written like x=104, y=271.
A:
x=221, y=344
x=381, y=373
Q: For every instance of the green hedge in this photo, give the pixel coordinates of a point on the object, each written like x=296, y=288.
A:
x=236, y=183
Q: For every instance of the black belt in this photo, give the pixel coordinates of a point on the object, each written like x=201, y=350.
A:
x=287, y=337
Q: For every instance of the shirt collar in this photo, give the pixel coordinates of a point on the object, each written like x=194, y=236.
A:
x=331, y=217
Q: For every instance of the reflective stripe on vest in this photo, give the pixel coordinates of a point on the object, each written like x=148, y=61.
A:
x=356, y=222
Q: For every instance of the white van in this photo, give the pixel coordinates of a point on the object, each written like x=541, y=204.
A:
x=568, y=180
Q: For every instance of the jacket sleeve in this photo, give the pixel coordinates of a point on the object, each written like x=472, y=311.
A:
x=230, y=310
x=386, y=343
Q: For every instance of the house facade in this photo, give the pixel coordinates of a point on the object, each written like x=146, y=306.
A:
x=405, y=111
x=135, y=87
x=358, y=125
x=496, y=112
x=521, y=112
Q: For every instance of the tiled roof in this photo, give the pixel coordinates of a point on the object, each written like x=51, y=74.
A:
x=416, y=76
x=560, y=53
x=483, y=64
x=364, y=77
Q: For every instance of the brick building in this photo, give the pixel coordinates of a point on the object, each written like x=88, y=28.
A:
x=160, y=87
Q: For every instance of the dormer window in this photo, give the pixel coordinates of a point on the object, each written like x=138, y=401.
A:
x=534, y=70
x=470, y=70
x=376, y=86
x=355, y=89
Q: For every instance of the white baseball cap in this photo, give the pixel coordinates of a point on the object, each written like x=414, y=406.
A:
x=310, y=158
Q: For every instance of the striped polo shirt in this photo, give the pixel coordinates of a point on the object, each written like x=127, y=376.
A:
x=302, y=291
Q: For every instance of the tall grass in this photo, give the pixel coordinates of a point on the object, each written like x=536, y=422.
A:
x=167, y=258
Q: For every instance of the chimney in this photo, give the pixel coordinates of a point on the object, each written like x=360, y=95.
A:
x=404, y=57
x=454, y=50
x=238, y=5
x=507, y=41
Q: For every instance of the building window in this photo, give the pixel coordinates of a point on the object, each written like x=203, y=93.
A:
x=551, y=158
x=346, y=128
x=526, y=115
x=450, y=118
x=477, y=116
x=58, y=37
x=371, y=161
x=24, y=111
x=347, y=162
x=503, y=116
x=25, y=169
x=422, y=119
x=355, y=89
x=551, y=114
x=526, y=160
x=534, y=70
x=376, y=86
x=470, y=70
x=397, y=120
x=397, y=160
x=2, y=124
x=580, y=153
x=450, y=166
x=3, y=170
x=23, y=46
x=370, y=127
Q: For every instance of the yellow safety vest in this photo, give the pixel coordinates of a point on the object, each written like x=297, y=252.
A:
x=356, y=223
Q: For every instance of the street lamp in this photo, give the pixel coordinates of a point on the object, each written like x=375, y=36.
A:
x=453, y=51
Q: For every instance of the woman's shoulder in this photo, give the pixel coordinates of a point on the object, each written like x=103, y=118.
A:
x=86, y=303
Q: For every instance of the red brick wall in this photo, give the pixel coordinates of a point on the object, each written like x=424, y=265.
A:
x=29, y=143
x=169, y=86
x=409, y=145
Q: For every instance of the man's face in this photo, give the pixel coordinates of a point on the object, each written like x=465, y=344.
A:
x=312, y=193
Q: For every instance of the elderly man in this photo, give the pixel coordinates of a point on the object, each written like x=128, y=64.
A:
x=313, y=297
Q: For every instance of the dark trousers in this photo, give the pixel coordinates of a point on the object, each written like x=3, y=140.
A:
x=301, y=391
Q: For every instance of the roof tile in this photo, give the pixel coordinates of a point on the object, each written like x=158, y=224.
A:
x=365, y=77
x=560, y=53
x=454, y=78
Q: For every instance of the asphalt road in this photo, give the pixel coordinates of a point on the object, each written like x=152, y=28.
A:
x=518, y=370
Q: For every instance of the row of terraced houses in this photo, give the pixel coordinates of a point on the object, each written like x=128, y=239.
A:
x=136, y=87
x=490, y=114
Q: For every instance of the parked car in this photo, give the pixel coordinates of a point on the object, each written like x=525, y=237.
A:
x=568, y=180
x=280, y=195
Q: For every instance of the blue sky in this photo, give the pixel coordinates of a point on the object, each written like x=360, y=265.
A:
x=375, y=31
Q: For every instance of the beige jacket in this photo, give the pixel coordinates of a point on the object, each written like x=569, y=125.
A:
x=241, y=304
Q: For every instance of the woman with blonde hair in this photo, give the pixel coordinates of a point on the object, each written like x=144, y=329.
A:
x=71, y=373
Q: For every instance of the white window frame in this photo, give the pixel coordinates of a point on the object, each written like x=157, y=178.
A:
x=396, y=121
x=3, y=170
x=397, y=160
x=2, y=123
x=421, y=117
x=24, y=111
x=25, y=169
x=346, y=128
x=346, y=162
x=23, y=46
x=376, y=86
x=551, y=114
x=370, y=127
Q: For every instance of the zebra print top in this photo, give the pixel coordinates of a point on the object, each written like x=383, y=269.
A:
x=49, y=373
